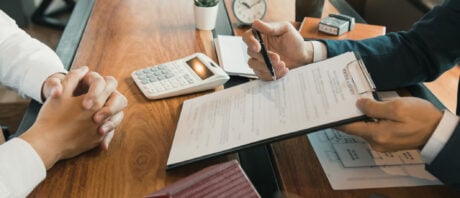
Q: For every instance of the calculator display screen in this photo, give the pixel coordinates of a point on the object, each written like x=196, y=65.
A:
x=199, y=68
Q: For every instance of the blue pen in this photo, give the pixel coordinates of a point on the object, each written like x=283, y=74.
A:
x=264, y=53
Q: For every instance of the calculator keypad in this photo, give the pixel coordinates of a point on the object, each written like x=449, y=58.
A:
x=165, y=77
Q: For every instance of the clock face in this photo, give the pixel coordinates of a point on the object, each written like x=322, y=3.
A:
x=246, y=11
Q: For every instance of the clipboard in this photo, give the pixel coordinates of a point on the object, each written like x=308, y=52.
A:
x=216, y=124
x=360, y=79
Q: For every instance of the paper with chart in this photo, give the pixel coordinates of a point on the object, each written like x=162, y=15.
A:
x=350, y=163
x=355, y=152
x=310, y=97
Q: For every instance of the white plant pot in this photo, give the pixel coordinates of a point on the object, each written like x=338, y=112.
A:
x=205, y=17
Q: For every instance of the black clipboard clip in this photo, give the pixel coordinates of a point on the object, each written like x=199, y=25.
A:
x=359, y=79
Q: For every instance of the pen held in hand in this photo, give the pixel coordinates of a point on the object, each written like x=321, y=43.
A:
x=264, y=52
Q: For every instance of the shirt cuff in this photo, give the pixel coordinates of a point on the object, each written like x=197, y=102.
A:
x=440, y=136
x=21, y=169
x=36, y=76
x=318, y=51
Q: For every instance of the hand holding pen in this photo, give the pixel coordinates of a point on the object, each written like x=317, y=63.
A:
x=285, y=49
x=264, y=53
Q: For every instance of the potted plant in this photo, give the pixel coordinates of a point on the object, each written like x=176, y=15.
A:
x=206, y=3
x=205, y=14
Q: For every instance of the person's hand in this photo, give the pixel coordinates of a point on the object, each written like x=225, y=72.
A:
x=404, y=123
x=110, y=116
x=286, y=48
x=52, y=83
x=63, y=128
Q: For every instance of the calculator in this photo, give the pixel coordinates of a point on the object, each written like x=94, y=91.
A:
x=190, y=74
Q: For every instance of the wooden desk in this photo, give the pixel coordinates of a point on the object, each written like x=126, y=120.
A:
x=124, y=35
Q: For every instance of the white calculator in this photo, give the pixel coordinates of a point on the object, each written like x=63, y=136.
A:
x=193, y=73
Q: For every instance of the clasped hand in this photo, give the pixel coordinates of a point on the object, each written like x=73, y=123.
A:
x=81, y=111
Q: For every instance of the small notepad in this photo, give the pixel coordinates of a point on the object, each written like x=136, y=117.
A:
x=232, y=55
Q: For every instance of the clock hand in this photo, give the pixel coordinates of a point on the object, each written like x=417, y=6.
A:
x=246, y=5
x=255, y=3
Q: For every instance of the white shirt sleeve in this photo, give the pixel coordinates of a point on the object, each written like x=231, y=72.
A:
x=440, y=136
x=319, y=51
x=21, y=168
x=25, y=63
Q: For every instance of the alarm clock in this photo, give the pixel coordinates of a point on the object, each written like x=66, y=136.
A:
x=246, y=11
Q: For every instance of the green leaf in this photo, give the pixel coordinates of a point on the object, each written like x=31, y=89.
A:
x=206, y=3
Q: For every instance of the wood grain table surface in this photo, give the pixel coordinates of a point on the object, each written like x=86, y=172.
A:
x=124, y=35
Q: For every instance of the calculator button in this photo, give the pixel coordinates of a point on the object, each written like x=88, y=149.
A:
x=189, y=79
x=145, y=81
x=182, y=83
x=153, y=79
x=173, y=80
x=174, y=84
x=154, y=85
x=166, y=84
x=139, y=72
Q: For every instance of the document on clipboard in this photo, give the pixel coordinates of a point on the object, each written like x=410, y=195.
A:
x=309, y=98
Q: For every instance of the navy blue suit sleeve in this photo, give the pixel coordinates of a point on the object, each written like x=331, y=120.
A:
x=445, y=165
x=401, y=59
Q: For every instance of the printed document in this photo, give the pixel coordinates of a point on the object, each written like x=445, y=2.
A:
x=309, y=98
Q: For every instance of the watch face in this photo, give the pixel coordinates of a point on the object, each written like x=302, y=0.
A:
x=246, y=11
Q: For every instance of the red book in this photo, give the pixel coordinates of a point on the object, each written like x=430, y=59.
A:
x=221, y=180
